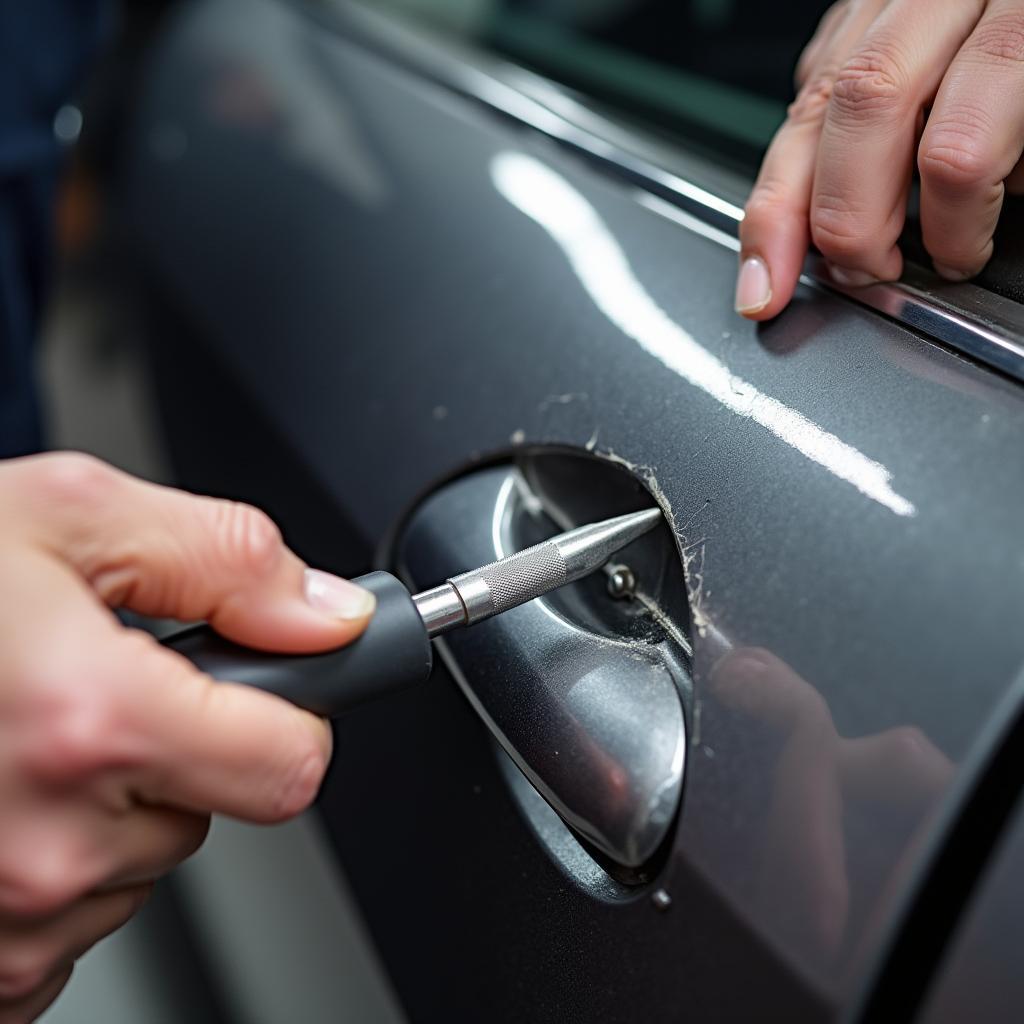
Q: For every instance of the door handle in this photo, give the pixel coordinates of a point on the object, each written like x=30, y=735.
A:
x=593, y=720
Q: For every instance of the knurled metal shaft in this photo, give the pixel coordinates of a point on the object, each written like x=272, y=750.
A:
x=480, y=593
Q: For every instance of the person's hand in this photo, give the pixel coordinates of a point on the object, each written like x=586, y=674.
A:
x=114, y=750
x=884, y=85
x=818, y=780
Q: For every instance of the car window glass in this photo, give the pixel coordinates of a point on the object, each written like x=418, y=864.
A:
x=718, y=70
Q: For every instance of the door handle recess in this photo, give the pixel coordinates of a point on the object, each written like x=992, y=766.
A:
x=594, y=721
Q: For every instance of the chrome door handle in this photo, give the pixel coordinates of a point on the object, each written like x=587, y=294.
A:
x=595, y=722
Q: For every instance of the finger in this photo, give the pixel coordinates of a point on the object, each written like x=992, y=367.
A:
x=775, y=230
x=112, y=710
x=71, y=844
x=846, y=32
x=146, y=844
x=805, y=839
x=973, y=142
x=163, y=552
x=30, y=1008
x=756, y=682
x=865, y=160
x=31, y=954
x=218, y=747
x=803, y=828
x=820, y=41
x=899, y=766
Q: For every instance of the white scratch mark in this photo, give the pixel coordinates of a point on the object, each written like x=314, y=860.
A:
x=690, y=552
x=693, y=565
x=602, y=268
x=696, y=512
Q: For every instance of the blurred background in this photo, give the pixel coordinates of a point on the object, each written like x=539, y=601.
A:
x=176, y=961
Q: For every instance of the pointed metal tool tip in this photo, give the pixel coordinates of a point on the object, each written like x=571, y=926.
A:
x=625, y=529
x=646, y=515
x=588, y=547
x=480, y=593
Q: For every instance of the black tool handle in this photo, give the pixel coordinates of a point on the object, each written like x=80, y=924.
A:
x=392, y=653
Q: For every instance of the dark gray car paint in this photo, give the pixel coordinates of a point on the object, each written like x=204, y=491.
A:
x=336, y=230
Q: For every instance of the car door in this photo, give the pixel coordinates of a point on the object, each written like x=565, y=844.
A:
x=431, y=289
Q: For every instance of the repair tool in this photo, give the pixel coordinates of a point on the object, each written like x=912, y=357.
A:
x=394, y=651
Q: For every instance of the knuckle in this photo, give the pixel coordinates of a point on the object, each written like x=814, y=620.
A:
x=812, y=101
x=869, y=85
x=249, y=539
x=955, y=156
x=41, y=885
x=953, y=167
x=838, y=231
x=77, y=741
x=998, y=39
x=68, y=734
x=72, y=478
x=766, y=204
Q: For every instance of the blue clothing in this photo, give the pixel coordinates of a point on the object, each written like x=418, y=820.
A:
x=45, y=46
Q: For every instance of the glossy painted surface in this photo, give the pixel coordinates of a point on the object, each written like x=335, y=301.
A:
x=402, y=285
x=967, y=317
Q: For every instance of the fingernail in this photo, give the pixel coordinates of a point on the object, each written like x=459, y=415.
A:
x=337, y=597
x=951, y=273
x=753, y=286
x=851, y=278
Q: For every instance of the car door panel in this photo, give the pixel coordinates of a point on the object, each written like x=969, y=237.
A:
x=397, y=287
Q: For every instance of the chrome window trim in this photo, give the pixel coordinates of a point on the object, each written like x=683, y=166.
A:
x=986, y=327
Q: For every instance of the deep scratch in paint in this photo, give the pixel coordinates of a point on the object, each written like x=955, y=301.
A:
x=602, y=268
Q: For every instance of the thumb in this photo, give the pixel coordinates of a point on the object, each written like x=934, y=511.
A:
x=163, y=552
